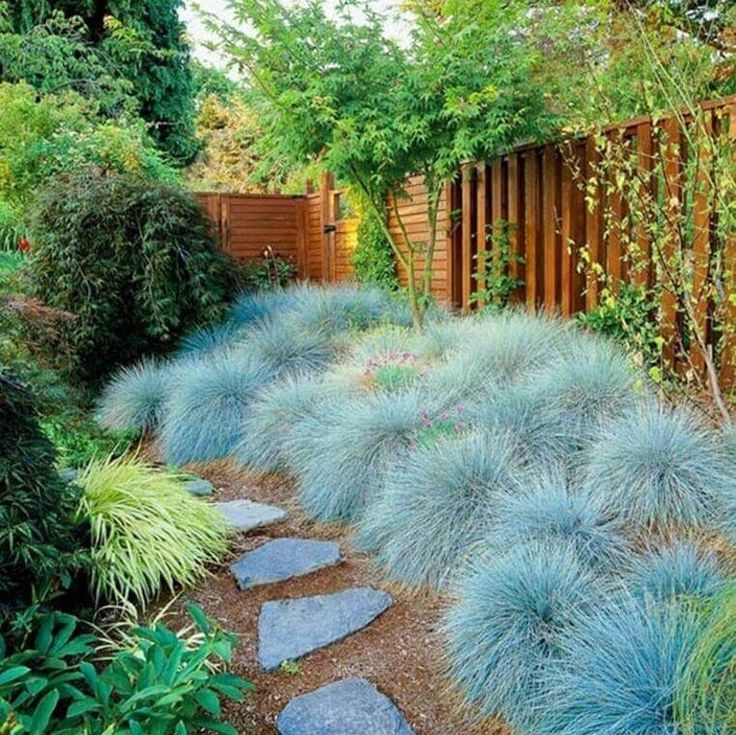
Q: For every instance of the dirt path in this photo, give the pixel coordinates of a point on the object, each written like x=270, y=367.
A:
x=400, y=652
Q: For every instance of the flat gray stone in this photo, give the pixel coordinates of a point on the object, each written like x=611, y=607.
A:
x=283, y=558
x=348, y=707
x=200, y=488
x=245, y=515
x=289, y=629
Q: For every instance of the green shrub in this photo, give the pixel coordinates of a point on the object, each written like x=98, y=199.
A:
x=44, y=137
x=134, y=262
x=160, y=684
x=373, y=258
x=38, y=535
x=627, y=318
x=147, y=531
x=270, y=273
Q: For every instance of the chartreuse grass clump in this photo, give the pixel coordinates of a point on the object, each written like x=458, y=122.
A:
x=551, y=508
x=658, y=466
x=345, y=468
x=619, y=669
x=439, y=501
x=147, y=533
x=133, y=400
x=203, y=415
x=503, y=633
x=706, y=691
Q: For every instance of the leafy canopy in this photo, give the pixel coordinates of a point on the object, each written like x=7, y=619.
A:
x=128, y=56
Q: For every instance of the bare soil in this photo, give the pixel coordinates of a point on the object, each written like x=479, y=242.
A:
x=400, y=652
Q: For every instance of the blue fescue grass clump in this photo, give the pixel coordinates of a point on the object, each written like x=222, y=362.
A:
x=287, y=348
x=275, y=413
x=438, y=502
x=133, y=399
x=657, y=466
x=683, y=568
x=577, y=393
x=619, y=670
x=503, y=632
x=249, y=309
x=210, y=339
x=510, y=346
x=512, y=409
x=550, y=509
x=204, y=411
x=349, y=308
x=344, y=469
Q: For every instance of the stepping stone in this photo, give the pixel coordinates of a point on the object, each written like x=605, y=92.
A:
x=200, y=488
x=283, y=558
x=289, y=629
x=245, y=515
x=348, y=707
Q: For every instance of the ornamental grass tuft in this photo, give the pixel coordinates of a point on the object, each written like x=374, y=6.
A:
x=133, y=399
x=343, y=469
x=706, y=690
x=147, y=533
x=287, y=348
x=510, y=346
x=657, y=466
x=683, y=568
x=550, y=509
x=274, y=414
x=210, y=339
x=203, y=415
x=575, y=395
x=439, y=501
x=503, y=632
x=618, y=671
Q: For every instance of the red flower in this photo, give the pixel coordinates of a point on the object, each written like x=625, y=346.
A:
x=24, y=245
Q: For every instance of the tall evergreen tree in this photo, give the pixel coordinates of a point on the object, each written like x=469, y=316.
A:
x=142, y=42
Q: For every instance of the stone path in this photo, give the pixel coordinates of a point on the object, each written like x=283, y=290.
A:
x=282, y=559
x=292, y=628
x=245, y=515
x=348, y=707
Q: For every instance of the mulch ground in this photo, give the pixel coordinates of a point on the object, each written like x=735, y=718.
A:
x=400, y=652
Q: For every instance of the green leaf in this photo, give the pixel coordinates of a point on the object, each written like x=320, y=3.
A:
x=12, y=674
x=208, y=700
x=43, y=712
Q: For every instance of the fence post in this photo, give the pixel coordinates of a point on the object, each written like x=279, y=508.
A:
x=643, y=274
x=672, y=142
x=517, y=266
x=325, y=194
x=593, y=223
x=702, y=234
x=532, y=229
x=728, y=353
x=468, y=233
x=551, y=260
x=481, y=171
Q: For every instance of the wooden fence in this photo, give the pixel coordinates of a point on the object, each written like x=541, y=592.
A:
x=540, y=194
